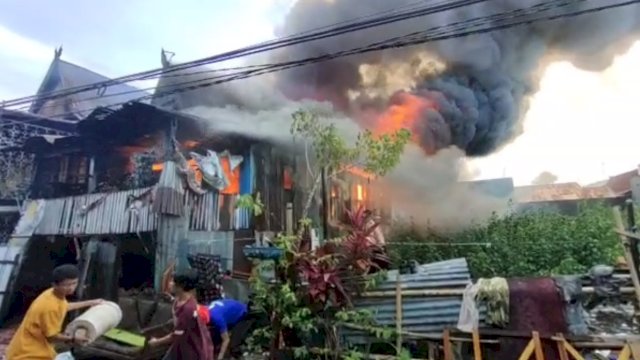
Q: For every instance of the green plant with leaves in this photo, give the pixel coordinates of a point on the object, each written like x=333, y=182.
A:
x=250, y=202
x=310, y=297
x=312, y=289
x=536, y=243
x=326, y=149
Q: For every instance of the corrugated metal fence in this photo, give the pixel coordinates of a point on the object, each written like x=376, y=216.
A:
x=420, y=314
x=107, y=213
x=205, y=212
x=103, y=213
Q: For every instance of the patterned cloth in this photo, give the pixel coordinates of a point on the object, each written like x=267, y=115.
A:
x=535, y=304
x=209, y=276
x=494, y=293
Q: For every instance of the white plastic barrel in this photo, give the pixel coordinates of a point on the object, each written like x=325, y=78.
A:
x=65, y=356
x=96, y=321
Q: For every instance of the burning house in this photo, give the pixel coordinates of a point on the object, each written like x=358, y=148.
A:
x=49, y=117
x=131, y=202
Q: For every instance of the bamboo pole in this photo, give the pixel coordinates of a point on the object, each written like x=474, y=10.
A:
x=625, y=354
x=624, y=239
x=562, y=350
x=537, y=346
x=628, y=234
x=446, y=344
x=477, y=350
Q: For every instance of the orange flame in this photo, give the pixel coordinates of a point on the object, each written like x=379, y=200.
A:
x=359, y=192
x=405, y=110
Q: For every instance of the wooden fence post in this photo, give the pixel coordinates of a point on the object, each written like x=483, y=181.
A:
x=446, y=344
x=477, y=350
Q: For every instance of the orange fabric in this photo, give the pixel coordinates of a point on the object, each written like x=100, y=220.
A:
x=233, y=176
x=203, y=313
x=43, y=320
x=288, y=180
x=196, y=169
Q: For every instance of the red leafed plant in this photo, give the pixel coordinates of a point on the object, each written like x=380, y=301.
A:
x=335, y=269
x=359, y=249
x=324, y=283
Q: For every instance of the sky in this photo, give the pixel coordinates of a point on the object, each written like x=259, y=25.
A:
x=581, y=126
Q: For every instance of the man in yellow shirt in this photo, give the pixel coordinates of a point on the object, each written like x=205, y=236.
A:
x=42, y=324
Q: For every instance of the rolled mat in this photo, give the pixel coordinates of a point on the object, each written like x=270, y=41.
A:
x=96, y=321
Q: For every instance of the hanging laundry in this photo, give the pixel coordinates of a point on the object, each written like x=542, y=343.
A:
x=469, y=316
x=494, y=293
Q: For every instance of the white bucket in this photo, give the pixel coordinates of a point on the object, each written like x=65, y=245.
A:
x=65, y=356
x=96, y=321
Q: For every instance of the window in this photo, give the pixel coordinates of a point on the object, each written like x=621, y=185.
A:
x=73, y=169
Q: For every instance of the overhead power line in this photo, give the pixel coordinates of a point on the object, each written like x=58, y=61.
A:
x=431, y=34
x=322, y=33
x=464, y=28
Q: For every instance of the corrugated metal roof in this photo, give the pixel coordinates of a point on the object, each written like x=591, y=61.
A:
x=621, y=184
x=58, y=126
x=500, y=188
x=19, y=126
x=559, y=192
x=65, y=75
x=421, y=314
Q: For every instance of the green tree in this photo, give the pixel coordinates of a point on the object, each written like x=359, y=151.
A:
x=326, y=149
x=535, y=243
x=312, y=289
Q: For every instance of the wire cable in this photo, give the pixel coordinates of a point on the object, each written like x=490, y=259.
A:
x=413, y=39
x=434, y=32
x=262, y=47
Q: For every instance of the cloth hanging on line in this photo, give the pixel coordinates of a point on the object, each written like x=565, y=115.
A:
x=469, y=317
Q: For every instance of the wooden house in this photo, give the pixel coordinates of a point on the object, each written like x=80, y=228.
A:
x=51, y=115
x=16, y=166
x=117, y=183
x=126, y=191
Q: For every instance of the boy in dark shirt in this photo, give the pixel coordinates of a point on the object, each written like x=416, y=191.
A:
x=190, y=338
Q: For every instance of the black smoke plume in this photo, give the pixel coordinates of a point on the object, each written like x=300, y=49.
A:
x=482, y=83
